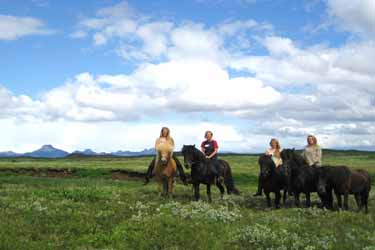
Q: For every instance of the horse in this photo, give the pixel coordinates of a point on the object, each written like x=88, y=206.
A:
x=360, y=186
x=303, y=178
x=273, y=179
x=201, y=173
x=337, y=179
x=343, y=181
x=165, y=169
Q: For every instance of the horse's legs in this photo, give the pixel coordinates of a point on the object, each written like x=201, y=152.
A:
x=196, y=191
x=150, y=171
x=358, y=197
x=296, y=199
x=308, y=200
x=259, y=190
x=268, y=199
x=160, y=187
x=277, y=199
x=346, y=196
x=170, y=185
x=329, y=199
x=364, y=197
x=208, y=187
x=221, y=188
x=339, y=200
x=165, y=186
x=284, y=196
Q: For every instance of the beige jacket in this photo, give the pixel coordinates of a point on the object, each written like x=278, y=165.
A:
x=313, y=155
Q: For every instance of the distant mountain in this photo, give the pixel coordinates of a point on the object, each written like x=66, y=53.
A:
x=149, y=151
x=47, y=151
x=9, y=154
x=86, y=152
x=120, y=153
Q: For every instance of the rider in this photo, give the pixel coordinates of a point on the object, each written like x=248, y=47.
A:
x=164, y=138
x=312, y=152
x=210, y=148
x=275, y=152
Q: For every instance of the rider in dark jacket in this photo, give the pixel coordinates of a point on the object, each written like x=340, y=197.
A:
x=210, y=148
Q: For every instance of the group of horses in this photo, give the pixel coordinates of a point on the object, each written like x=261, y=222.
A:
x=293, y=177
x=201, y=172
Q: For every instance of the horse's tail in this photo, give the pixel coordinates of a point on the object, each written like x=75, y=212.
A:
x=228, y=179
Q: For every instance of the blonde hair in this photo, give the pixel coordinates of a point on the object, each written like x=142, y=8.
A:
x=168, y=137
x=277, y=150
x=315, y=141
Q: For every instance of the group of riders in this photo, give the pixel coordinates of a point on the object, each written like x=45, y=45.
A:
x=312, y=154
x=209, y=147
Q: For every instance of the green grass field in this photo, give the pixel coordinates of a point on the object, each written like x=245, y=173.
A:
x=90, y=210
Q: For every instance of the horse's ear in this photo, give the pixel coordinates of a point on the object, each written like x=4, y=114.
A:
x=194, y=145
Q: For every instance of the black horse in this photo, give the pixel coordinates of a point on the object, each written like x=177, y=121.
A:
x=201, y=172
x=303, y=178
x=272, y=179
x=337, y=179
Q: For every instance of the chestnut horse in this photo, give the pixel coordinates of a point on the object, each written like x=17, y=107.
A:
x=165, y=169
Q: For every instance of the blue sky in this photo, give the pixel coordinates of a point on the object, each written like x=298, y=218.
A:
x=41, y=70
x=249, y=69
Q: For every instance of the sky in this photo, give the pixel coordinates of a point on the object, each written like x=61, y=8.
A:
x=108, y=74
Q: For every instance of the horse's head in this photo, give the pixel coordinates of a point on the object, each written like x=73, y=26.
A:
x=266, y=165
x=322, y=180
x=165, y=152
x=292, y=159
x=188, y=151
x=287, y=154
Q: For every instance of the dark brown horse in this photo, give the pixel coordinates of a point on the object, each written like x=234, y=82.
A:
x=201, y=172
x=360, y=186
x=302, y=178
x=273, y=179
x=336, y=179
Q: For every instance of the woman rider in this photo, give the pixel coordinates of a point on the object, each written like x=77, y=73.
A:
x=165, y=138
x=312, y=152
x=275, y=152
x=209, y=147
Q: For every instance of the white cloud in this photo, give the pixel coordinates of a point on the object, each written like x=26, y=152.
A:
x=13, y=27
x=187, y=68
x=22, y=107
x=188, y=86
x=139, y=37
x=355, y=16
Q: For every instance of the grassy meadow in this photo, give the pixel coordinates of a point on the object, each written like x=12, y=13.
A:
x=90, y=210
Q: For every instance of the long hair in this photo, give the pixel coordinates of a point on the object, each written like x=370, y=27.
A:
x=277, y=150
x=315, y=141
x=168, y=137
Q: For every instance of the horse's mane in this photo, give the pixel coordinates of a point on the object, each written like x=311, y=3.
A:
x=265, y=157
x=196, y=152
x=295, y=157
x=164, y=147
